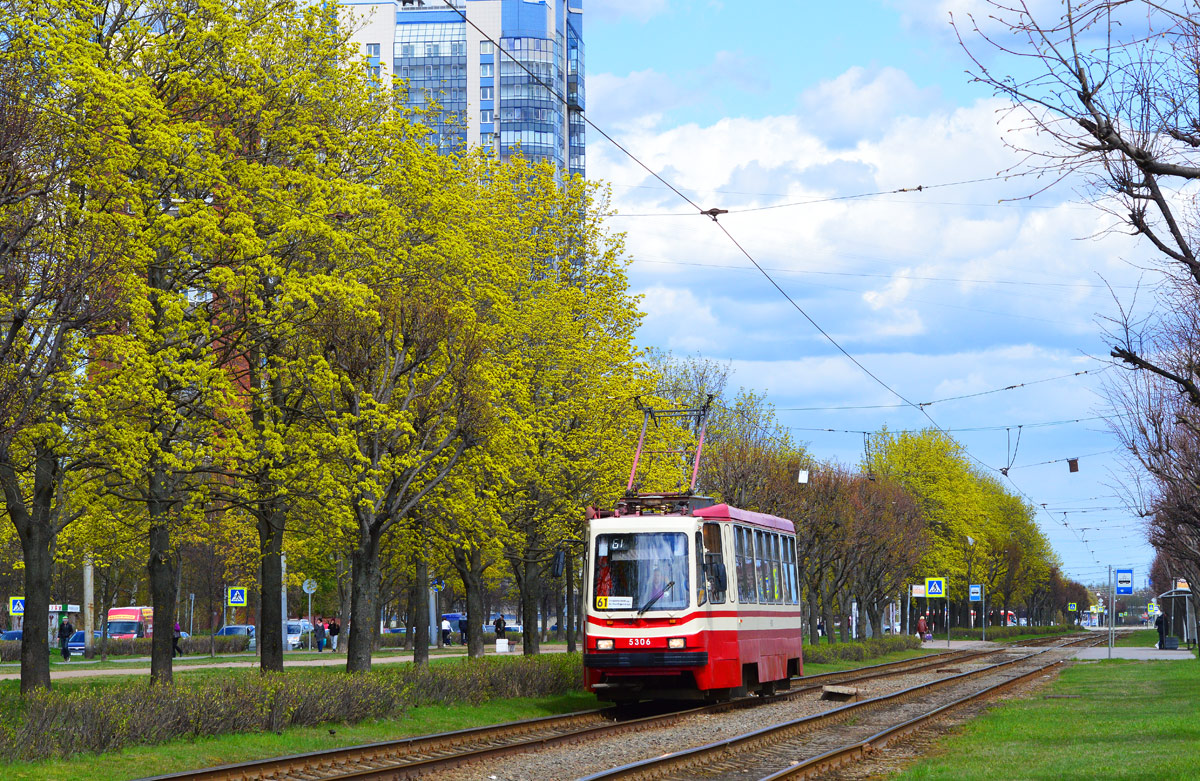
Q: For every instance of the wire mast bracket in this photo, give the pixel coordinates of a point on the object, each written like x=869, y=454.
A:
x=694, y=419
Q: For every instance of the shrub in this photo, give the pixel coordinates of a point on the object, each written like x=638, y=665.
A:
x=1002, y=632
x=859, y=650
x=94, y=719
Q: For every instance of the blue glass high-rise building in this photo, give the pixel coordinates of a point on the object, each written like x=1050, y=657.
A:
x=485, y=95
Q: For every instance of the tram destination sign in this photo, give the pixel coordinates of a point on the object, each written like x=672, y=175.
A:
x=614, y=603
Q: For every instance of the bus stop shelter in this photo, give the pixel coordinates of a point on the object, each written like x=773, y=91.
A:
x=1178, y=607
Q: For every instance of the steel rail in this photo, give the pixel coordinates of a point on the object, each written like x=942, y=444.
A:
x=680, y=760
x=391, y=748
x=389, y=757
x=838, y=757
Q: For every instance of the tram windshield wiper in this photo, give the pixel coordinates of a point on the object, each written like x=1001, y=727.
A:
x=650, y=603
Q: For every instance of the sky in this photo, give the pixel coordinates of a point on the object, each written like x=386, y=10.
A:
x=779, y=111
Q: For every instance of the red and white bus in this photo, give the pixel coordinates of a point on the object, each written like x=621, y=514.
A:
x=690, y=600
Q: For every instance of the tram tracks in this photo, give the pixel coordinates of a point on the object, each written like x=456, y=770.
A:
x=813, y=745
x=422, y=756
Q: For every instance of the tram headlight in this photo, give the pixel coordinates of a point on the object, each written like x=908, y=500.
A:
x=604, y=645
x=677, y=642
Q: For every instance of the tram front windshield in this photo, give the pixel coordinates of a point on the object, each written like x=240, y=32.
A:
x=641, y=571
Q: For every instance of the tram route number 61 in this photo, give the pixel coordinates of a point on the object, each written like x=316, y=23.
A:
x=614, y=603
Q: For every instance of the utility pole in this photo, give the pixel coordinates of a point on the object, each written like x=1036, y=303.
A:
x=89, y=608
x=1112, y=603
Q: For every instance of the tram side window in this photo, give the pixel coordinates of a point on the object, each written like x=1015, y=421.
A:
x=745, y=564
x=777, y=568
x=762, y=569
x=714, y=555
x=776, y=573
x=701, y=581
x=789, y=551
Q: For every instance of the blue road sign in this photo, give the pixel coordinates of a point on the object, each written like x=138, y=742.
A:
x=16, y=606
x=976, y=593
x=236, y=596
x=1124, y=581
x=935, y=587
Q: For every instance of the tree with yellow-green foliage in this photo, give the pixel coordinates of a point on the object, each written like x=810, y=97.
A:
x=70, y=226
x=978, y=532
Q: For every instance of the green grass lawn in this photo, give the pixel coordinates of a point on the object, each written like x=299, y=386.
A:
x=227, y=749
x=1126, y=720
x=896, y=656
x=1138, y=638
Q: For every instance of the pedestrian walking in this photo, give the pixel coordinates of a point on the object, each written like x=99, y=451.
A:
x=500, y=627
x=334, y=631
x=175, y=649
x=65, y=631
x=445, y=631
x=1160, y=624
x=319, y=634
x=923, y=628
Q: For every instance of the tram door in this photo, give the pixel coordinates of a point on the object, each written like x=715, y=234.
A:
x=719, y=625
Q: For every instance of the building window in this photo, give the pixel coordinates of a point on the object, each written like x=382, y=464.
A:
x=431, y=50
x=486, y=115
x=487, y=139
x=429, y=71
x=406, y=50
x=373, y=50
x=486, y=93
x=485, y=69
x=485, y=47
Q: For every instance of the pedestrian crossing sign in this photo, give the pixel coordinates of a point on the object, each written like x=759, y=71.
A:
x=16, y=606
x=1071, y=607
x=935, y=587
x=235, y=596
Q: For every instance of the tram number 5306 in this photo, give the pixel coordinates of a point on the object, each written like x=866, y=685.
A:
x=639, y=642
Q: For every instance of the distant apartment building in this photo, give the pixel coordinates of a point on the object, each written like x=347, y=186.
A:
x=446, y=51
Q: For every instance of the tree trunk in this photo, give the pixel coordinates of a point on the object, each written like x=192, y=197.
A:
x=559, y=619
x=35, y=527
x=470, y=568
x=421, y=613
x=569, y=577
x=36, y=541
x=530, y=596
x=270, y=578
x=813, y=617
x=364, y=599
x=161, y=569
x=827, y=615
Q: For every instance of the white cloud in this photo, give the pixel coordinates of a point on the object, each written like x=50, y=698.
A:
x=688, y=324
x=862, y=102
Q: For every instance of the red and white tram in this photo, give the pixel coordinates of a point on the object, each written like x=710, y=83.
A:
x=686, y=599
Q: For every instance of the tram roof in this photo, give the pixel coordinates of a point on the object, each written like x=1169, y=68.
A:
x=725, y=512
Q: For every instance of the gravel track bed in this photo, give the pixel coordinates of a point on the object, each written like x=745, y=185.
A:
x=770, y=759
x=583, y=759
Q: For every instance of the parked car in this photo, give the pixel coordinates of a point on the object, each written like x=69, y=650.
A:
x=77, y=644
x=295, y=630
x=12, y=634
x=239, y=629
